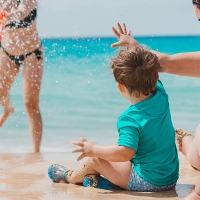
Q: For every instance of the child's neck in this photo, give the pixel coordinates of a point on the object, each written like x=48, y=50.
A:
x=142, y=97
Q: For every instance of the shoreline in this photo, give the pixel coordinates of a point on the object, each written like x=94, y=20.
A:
x=114, y=38
x=24, y=176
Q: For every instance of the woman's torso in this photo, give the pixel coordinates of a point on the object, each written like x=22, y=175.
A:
x=18, y=41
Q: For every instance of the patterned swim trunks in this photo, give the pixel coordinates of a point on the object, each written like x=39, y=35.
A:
x=136, y=183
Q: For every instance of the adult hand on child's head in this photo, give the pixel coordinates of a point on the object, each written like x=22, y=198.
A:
x=124, y=37
x=85, y=147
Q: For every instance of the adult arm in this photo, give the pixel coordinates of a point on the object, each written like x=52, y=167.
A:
x=112, y=153
x=183, y=64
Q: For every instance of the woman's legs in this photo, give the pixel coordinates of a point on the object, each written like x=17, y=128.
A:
x=7, y=109
x=190, y=147
x=32, y=76
x=8, y=72
x=116, y=172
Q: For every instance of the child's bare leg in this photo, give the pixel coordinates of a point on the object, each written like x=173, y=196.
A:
x=190, y=147
x=7, y=109
x=116, y=172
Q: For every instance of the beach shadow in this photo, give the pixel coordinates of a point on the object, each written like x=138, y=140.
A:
x=90, y=193
x=181, y=190
x=184, y=189
x=160, y=195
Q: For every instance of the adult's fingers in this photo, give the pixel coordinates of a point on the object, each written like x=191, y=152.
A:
x=117, y=34
x=129, y=32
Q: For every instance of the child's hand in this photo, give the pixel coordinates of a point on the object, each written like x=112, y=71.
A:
x=86, y=148
x=124, y=37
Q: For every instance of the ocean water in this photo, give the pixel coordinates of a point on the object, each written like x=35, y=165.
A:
x=79, y=97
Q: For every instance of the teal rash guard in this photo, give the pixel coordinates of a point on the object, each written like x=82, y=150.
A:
x=147, y=128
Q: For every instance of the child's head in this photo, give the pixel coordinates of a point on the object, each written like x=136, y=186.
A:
x=136, y=69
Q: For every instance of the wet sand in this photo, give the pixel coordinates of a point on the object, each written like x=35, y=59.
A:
x=24, y=177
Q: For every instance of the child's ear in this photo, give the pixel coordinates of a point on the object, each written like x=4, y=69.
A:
x=120, y=87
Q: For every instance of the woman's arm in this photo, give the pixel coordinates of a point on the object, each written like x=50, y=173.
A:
x=112, y=153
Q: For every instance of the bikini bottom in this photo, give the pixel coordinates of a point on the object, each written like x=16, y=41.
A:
x=19, y=60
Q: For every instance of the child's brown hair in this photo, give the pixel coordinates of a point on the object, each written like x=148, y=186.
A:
x=137, y=69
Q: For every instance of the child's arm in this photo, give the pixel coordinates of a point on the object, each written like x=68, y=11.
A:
x=184, y=64
x=112, y=153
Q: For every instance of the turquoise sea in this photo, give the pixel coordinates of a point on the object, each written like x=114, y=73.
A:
x=79, y=97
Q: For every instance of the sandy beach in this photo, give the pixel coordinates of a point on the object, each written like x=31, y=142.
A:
x=24, y=176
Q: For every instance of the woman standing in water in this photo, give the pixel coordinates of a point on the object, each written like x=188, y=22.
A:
x=19, y=46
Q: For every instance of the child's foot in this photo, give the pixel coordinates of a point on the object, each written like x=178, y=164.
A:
x=5, y=115
x=57, y=173
x=184, y=140
x=100, y=182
